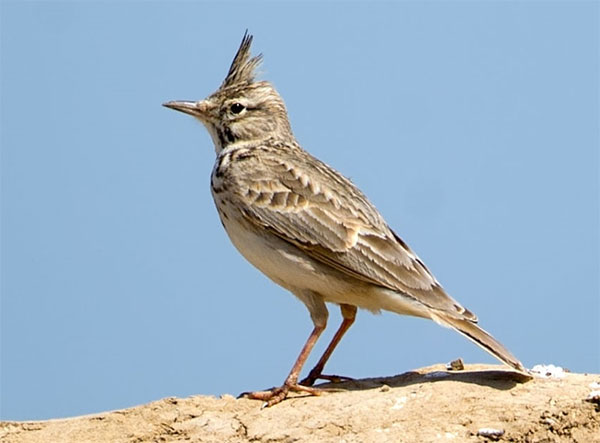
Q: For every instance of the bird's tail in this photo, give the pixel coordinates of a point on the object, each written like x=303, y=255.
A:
x=480, y=337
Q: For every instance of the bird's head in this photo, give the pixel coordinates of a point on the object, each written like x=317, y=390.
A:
x=242, y=109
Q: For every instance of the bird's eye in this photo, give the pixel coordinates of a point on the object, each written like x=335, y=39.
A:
x=236, y=108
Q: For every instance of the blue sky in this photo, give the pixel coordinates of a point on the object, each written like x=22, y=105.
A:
x=473, y=127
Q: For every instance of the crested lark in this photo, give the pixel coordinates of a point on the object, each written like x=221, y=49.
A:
x=307, y=227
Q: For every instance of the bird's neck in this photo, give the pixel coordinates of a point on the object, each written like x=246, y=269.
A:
x=254, y=143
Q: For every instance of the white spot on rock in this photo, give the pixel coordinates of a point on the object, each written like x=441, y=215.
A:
x=400, y=402
x=491, y=433
x=548, y=371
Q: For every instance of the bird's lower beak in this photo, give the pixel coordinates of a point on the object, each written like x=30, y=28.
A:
x=184, y=106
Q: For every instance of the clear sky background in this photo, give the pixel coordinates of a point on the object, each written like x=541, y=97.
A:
x=472, y=126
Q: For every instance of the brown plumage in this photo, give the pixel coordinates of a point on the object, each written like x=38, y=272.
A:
x=307, y=227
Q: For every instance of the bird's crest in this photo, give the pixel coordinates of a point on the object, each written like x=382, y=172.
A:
x=243, y=67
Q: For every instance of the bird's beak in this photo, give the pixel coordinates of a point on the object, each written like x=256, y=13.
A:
x=183, y=106
x=198, y=109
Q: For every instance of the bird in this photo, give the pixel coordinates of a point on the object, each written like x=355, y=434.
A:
x=310, y=229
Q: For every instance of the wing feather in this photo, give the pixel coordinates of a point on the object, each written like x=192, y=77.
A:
x=323, y=214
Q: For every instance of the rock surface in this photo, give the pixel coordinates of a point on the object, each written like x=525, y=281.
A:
x=480, y=403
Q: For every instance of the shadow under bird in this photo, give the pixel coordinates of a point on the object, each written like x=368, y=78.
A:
x=307, y=227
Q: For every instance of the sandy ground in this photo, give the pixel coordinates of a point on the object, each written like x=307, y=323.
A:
x=480, y=403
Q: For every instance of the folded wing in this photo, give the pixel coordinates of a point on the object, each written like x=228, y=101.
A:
x=328, y=218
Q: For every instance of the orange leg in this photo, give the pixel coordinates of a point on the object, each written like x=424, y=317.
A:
x=349, y=315
x=276, y=395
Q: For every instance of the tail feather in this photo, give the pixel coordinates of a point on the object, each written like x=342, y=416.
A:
x=480, y=337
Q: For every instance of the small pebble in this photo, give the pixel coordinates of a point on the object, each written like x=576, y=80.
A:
x=490, y=433
x=456, y=365
x=593, y=397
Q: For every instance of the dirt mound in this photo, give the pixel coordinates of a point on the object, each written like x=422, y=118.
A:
x=479, y=403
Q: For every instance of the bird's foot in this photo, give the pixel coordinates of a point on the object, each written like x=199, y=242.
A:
x=276, y=395
x=312, y=378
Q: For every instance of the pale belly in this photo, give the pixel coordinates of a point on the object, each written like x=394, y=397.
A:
x=281, y=262
x=292, y=269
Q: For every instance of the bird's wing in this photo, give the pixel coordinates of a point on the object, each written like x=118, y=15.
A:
x=315, y=208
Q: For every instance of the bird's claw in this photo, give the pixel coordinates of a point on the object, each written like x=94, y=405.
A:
x=312, y=378
x=276, y=395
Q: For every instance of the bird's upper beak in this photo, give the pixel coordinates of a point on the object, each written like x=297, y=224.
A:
x=200, y=109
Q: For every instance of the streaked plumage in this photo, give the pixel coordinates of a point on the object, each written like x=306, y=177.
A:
x=307, y=227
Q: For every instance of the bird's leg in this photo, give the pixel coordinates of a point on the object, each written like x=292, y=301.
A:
x=348, y=314
x=276, y=395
